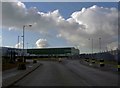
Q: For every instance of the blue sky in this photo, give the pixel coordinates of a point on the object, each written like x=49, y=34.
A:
x=65, y=9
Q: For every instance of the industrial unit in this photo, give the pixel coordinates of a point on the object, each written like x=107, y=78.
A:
x=41, y=52
x=64, y=51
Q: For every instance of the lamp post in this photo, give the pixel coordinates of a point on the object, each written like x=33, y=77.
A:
x=18, y=46
x=27, y=45
x=27, y=48
x=101, y=58
x=91, y=44
x=22, y=65
x=18, y=41
x=100, y=45
x=24, y=38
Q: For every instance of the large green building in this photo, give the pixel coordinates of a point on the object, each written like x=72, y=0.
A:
x=64, y=51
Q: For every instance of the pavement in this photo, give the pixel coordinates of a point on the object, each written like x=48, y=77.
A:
x=0, y=78
x=9, y=77
x=12, y=72
x=68, y=73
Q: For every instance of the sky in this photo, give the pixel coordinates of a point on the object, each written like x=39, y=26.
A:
x=60, y=24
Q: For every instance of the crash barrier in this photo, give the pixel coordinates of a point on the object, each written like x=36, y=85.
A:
x=102, y=63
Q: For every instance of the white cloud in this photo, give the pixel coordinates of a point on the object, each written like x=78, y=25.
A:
x=92, y=22
x=19, y=45
x=10, y=46
x=58, y=35
x=42, y=43
x=0, y=40
x=113, y=46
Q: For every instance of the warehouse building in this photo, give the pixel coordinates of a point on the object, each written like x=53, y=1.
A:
x=40, y=52
x=55, y=52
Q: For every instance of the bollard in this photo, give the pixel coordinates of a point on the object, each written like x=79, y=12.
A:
x=87, y=59
x=34, y=61
x=102, y=63
x=118, y=66
x=21, y=66
x=93, y=61
x=59, y=60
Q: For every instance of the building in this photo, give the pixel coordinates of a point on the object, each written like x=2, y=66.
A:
x=39, y=52
x=7, y=51
x=55, y=52
x=9, y=54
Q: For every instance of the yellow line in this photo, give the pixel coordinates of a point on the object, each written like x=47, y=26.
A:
x=101, y=63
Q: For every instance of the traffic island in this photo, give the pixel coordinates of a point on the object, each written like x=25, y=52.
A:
x=12, y=80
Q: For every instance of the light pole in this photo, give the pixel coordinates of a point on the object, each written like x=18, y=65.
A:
x=27, y=48
x=106, y=49
x=24, y=38
x=18, y=41
x=27, y=45
x=100, y=45
x=91, y=44
x=22, y=65
x=101, y=58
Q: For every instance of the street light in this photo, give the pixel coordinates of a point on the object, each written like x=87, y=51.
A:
x=18, y=41
x=91, y=46
x=27, y=48
x=27, y=45
x=22, y=65
x=106, y=49
x=100, y=45
x=24, y=38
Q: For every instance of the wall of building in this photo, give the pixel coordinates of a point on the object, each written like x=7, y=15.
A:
x=68, y=51
x=44, y=52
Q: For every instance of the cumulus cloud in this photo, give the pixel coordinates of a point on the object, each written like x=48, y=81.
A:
x=0, y=40
x=10, y=46
x=58, y=35
x=15, y=14
x=19, y=45
x=42, y=43
x=113, y=46
x=92, y=22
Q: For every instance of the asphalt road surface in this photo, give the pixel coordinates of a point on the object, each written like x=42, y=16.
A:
x=68, y=73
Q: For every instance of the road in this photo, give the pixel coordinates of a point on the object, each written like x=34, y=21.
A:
x=69, y=73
